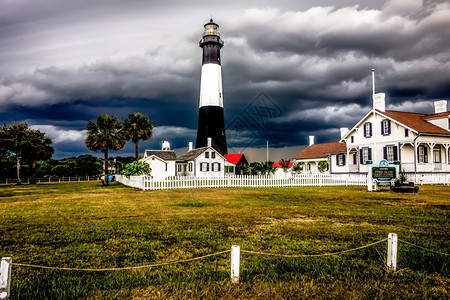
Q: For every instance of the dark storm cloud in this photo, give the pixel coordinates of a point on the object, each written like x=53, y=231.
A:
x=64, y=62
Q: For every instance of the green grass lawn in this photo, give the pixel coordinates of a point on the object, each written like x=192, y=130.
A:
x=84, y=225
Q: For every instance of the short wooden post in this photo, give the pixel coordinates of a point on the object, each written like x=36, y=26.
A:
x=392, y=252
x=5, y=277
x=235, y=261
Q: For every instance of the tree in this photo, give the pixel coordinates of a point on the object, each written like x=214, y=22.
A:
x=257, y=168
x=39, y=149
x=25, y=143
x=138, y=127
x=88, y=165
x=105, y=134
x=243, y=169
x=268, y=167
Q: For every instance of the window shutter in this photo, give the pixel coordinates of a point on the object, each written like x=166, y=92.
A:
x=337, y=159
x=361, y=156
x=218, y=164
x=425, y=154
x=370, y=126
x=365, y=131
x=395, y=152
x=382, y=128
x=389, y=127
x=369, y=153
x=207, y=167
x=343, y=159
x=385, y=152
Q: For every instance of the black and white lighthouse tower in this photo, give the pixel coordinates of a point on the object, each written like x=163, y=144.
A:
x=210, y=119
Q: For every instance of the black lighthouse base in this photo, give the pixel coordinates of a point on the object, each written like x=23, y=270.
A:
x=211, y=124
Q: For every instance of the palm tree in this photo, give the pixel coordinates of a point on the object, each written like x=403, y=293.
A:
x=138, y=127
x=105, y=134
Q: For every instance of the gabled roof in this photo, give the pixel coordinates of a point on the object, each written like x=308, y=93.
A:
x=277, y=164
x=234, y=158
x=413, y=121
x=320, y=150
x=416, y=121
x=163, y=154
x=194, y=153
x=191, y=154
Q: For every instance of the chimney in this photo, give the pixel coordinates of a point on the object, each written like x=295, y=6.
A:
x=379, y=101
x=166, y=146
x=311, y=140
x=344, y=130
x=440, y=106
x=209, y=142
x=190, y=146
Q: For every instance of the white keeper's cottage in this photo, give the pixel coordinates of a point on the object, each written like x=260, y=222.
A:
x=414, y=142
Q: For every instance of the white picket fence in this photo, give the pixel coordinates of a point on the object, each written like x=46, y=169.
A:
x=431, y=178
x=183, y=182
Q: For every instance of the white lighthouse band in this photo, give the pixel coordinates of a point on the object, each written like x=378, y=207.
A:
x=211, y=86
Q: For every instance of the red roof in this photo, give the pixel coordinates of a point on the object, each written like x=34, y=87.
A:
x=277, y=164
x=416, y=121
x=319, y=150
x=233, y=158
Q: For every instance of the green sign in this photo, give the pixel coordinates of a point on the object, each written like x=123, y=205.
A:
x=384, y=173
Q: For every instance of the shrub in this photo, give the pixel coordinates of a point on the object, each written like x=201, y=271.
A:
x=137, y=168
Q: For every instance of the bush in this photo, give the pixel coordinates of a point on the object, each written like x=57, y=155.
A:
x=137, y=168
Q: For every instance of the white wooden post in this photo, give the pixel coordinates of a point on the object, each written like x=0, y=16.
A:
x=5, y=277
x=392, y=252
x=235, y=260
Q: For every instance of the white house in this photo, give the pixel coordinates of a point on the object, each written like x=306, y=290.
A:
x=162, y=162
x=414, y=142
x=202, y=162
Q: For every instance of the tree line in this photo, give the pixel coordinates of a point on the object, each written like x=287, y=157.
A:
x=23, y=146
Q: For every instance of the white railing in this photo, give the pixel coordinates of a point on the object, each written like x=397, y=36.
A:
x=429, y=178
x=184, y=182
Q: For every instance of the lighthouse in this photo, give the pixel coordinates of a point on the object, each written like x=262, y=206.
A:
x=210, y=117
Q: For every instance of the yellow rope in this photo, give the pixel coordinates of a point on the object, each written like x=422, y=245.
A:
x=314, y=255
x=119, y=269
x=437, y=252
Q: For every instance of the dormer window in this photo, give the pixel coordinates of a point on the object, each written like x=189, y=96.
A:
x=386, y=127
x=367, y=129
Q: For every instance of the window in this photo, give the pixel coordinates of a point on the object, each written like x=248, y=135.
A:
x=340, y=160
x=166, y=167
x=367, y=130
x=390, y=153
x=216, y=167
x=386, y=127
x=448, y=123
x=213, y=154
x=190, y=167
x=365, y=154
x=437, y=154
x=406, y=132
x=179, y=168
x=352, y=139
x=204, y=167
x=355, y=158
x=206, y=154
x=422, y=154
x=184, y=167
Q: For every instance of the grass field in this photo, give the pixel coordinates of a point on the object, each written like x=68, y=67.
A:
x=84, y=225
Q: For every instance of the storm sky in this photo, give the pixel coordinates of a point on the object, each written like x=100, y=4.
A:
x=291, y=69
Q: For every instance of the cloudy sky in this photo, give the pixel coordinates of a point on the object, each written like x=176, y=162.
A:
x=290, y=68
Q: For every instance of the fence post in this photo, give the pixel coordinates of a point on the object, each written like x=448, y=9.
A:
x=392, y=252
x=5, y=277
x=235, y=260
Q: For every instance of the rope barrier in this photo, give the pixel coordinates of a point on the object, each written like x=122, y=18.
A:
x=123, y=268
x=314, y=255
x=423, y=248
